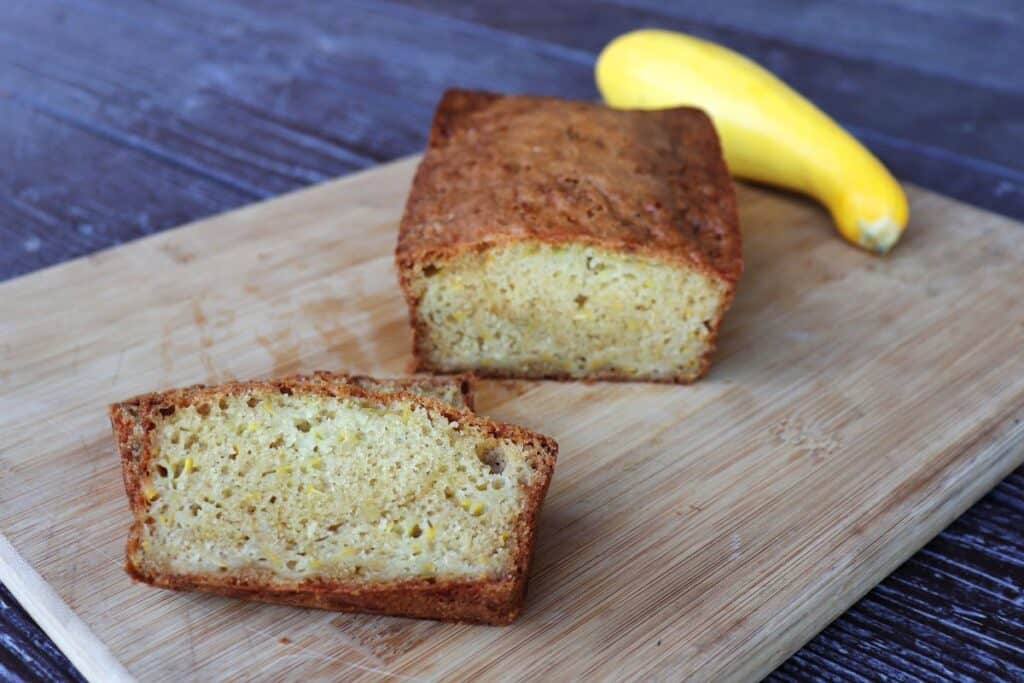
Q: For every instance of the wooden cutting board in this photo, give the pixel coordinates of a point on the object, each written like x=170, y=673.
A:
x=856, y=406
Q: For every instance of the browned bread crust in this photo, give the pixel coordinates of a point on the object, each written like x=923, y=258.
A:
x=505, y=168
x=417, y=384
x=490, y=601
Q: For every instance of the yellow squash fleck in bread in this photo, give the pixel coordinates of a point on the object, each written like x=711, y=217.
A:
x=551, y=238
x=333, y=492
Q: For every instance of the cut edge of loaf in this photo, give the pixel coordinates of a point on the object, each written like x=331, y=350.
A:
x=416, y=270
x=487, y=600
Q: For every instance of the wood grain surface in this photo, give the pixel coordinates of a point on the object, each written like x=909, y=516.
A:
x=704, y=531
x=118, y=120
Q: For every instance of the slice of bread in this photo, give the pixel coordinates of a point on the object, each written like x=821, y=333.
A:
x=317, y=492
x=548, y=238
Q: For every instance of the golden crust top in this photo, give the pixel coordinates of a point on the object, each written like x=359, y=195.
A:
x=506, y=168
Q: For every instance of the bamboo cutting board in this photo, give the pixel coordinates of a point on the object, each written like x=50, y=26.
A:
x=856, y=406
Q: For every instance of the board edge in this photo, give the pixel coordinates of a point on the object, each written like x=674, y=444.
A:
x=1002, y=459
x=75, y=639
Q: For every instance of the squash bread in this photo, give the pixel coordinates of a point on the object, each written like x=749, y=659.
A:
x=334, y=492
x=548, y=238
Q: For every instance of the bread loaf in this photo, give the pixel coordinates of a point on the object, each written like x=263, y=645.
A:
x=547, y=238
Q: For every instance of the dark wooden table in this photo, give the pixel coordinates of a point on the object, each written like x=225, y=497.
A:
x=120, y=119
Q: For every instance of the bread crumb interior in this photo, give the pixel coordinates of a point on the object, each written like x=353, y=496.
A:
x=298, y=486
x=538, y=309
